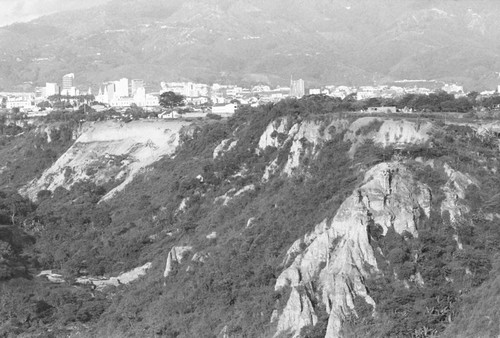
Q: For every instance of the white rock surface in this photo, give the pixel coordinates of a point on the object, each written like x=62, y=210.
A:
x=306, y=138
x=454, y=190
x=138, y=143
x=182, y=205
x=402, y=132
x=200, y=257
x=123, y=278
x=232, y=193
x=267, y=139
x=52, y=277
x=175, y=256
x=398, y=133
x=225, y=146
x=337, y=255
x=212, y=235
x=303, y=317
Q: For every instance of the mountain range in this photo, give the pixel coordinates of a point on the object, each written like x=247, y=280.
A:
x=255, y=41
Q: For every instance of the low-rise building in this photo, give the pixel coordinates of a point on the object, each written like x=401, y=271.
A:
x=385, y=110
x=227, y=109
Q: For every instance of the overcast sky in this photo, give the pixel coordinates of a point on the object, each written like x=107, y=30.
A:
x=24, y=10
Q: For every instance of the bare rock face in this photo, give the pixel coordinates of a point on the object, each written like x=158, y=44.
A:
x=232, y=193
x=270, y=136
x=332, y=261
x=304, y=138
x=305, y=316
x=454, y=190
x=110, y=150
x=175, y=256
x=398, y=133
x=402, y=132
x=124, y=278
x=225, y=146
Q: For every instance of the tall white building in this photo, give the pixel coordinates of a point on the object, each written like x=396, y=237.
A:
x=72, y=91
x=187, y=89
x=51, y=89
x=297, y=88
x=136, y=84
x=121, y=88
x=68, y=81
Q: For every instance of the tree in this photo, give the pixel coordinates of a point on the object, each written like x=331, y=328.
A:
x=171, y=100
x=44, y=104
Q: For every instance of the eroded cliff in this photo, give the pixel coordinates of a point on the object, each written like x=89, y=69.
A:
x=109, y=152
x=332, y=261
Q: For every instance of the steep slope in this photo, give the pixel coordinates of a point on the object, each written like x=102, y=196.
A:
x=109, y=152
x=338, y=256
x=283, y=221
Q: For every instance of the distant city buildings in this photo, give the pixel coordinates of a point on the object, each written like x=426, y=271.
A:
x=136, y=84
x=51, y=89
x=121, y=88
x=453, y=89
x=22, y=101
x=222, y=98
x=297, y=88
x=227, y=109
x=68, y=85
x=68, y=81
x=118, y=94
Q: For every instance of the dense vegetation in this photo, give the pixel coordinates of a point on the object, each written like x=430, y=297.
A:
x=27, y=150
x=231, y=288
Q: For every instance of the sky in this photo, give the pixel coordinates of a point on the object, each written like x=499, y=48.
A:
x=25, y=10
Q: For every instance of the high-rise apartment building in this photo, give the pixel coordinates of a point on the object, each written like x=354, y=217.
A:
x=110, y=90
x=297, y=88
x=121, y=88
x=136, y=84
x=68, y=81
x=51, y=89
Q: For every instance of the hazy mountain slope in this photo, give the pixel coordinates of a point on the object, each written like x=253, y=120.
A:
x=322, y=42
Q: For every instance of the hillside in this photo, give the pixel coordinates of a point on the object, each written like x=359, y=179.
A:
x=324, y=42
x=286, y=220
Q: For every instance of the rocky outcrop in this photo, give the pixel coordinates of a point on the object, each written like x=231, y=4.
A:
x=306, y=139
x=402, y=133
x=454, y=190
x=270, y=137
x=110, y=151
x=397, y=133
x=100, y=282
x=332, y=261
x=174, y=257
x=225, y=146
x=52, y=276
x=303, y=317
x=303, y=139
x=232, y=193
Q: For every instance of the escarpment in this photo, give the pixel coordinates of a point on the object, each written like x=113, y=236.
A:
x=336, y=257
x=281, y=221
x=109, y=152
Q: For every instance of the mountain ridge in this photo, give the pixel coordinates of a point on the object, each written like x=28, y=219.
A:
x=327, y=42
